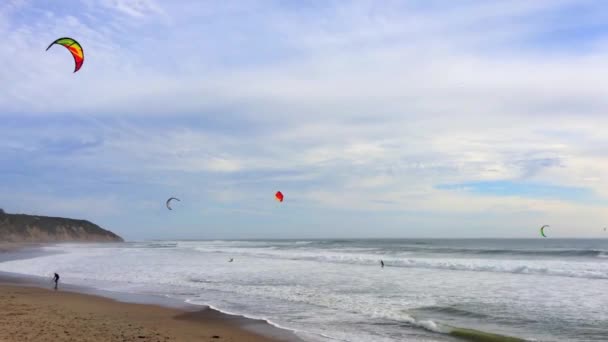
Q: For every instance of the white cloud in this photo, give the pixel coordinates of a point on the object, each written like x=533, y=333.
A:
x=52, y=205
x=135, y=8
x=363, y=105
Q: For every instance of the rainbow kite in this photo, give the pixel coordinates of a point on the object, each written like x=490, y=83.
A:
x=75, y=50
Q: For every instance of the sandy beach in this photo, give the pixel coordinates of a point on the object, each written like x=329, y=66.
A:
x=35, y=314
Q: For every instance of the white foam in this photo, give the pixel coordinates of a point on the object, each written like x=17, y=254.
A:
x=575, y=269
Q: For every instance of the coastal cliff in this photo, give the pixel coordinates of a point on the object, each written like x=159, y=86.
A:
x=32, y=228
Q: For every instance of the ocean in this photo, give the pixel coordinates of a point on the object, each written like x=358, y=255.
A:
x=336, y=290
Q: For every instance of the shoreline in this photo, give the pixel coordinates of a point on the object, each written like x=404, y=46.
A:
x=169, y=318
x=11, y=247
x=28, y=306
x=35, y=314
x=261, y=327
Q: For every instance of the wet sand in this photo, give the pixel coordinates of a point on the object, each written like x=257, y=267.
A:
x=7, y=247
x=36, y=314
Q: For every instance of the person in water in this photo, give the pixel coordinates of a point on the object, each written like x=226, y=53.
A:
x=56, y=280
x=382, y=263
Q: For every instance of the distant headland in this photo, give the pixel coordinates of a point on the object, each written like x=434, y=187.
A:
x=40, y=229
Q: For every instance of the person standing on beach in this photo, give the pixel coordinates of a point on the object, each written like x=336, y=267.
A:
x=56, y=280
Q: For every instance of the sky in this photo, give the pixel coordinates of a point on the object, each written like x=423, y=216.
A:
x=458, y=118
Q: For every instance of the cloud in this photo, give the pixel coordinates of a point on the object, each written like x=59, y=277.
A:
x=343, y=105
x=404, y=75
x=134, y=8
x=50, y=205
x=528, y=190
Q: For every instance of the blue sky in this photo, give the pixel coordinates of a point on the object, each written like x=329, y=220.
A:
x=374, y=118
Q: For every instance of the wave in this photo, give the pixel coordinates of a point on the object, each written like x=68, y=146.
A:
x=482, y=336
x=400, y=317
x=547, y=252
x=264, y=319
x=516, y=269
x=407, y=261
x=526, y=252
x=462, y=333
x=450, y=310
x=389, y=247
x=156, y=245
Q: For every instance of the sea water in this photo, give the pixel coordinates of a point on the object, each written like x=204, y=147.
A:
x=336, y=290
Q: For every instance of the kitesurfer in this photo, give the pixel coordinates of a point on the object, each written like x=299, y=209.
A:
x=56, y=280
x=382, y=263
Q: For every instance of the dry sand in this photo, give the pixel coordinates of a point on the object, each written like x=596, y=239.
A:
x=35, y=314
